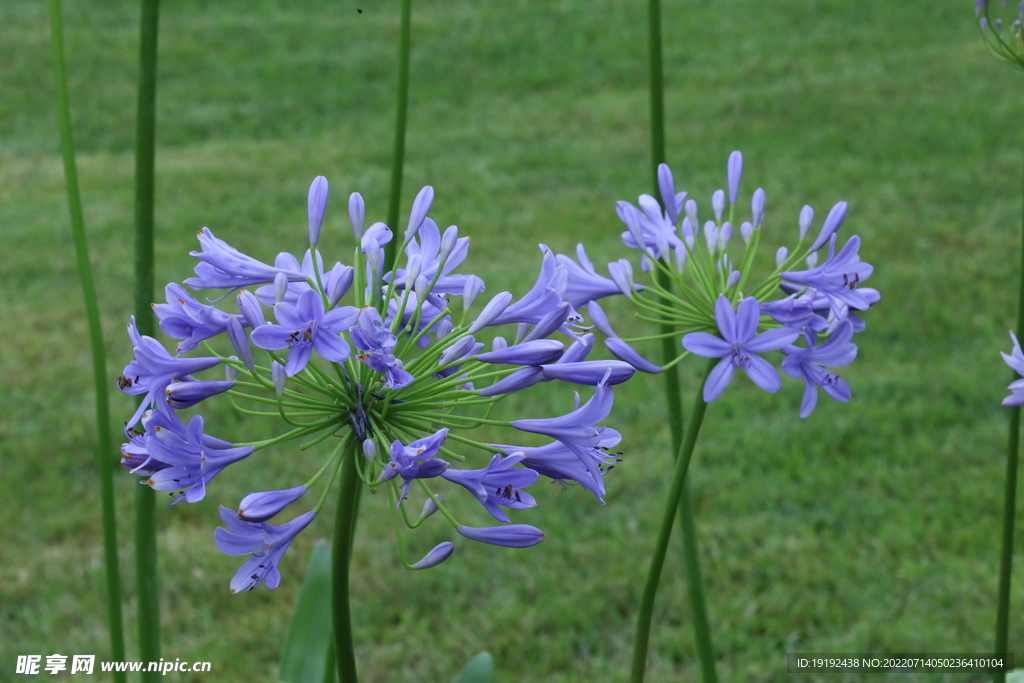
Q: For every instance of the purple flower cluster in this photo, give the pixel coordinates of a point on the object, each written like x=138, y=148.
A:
x=380, y=357
x=809, y=315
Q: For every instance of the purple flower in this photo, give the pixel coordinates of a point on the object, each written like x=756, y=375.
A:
x=738, y=346
x=584, y=284
x=837, y=278
x=336, y=281
x=267, y=544
x=536, y=352
x=578, y=432
x=557, y=462
x=511, y=536
x=193, y=459
x=415, y=461
x=806, y=364
x=259, y=507
x=498, y=484
x=377, y=341
x=304, y=327
x=590, y=373
x=427, y=246
x=182, y=317
x=628, y=354
x=182, y=395
x=543, y=297
x=153, y=369
x=1015, y=361
x=224, y=267
x=523, y=378
x=440, y=552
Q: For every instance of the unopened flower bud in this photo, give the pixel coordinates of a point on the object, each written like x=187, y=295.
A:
x=733, y=280
x=734, y=173
x=687, y=229
x=521, y=330
x=420, y=208
x=833, y=221
x=812, y=260
x=691, y=212
x=356, y=213
x=259, y=507
x=711, y=236
x=317, y=205
x=473, y=287
x=724, y=235
x=498, y=344
x=429, y=507
x=338, y=282
x=369, y=450
x=412, y=268
x=448, y=240
x=444, y=328
x=621, y=273
x=440, y=553
x=718, y=204
x=421, y=287
x=240, y=341
x=757, y=207
x=666, y=186
x=278, y=376
x=681, y=256
x=781, y=256
x=280, y=287
x=495, y=307
x=747, y=231
x=249, y=307
x=230, y=371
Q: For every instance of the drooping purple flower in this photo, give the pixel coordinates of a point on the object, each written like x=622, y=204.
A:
x=738, y=346
x=807, y=363
x=267, y=544
x=193, y=460
x=182, y=317
x=511, y=536
x=259, y=507
x=578, y=431
x=837, y=278
x=1016, y=361
x=628, y=354
x=305, y=327
x=153, y=369
x=497, y=484
x=415, y=461
x=541, y=298
x=440, y=552
x=224, y=267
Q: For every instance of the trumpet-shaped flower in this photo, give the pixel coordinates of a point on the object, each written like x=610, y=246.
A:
x=807, y=363
x=267, y=544
x=305, y=327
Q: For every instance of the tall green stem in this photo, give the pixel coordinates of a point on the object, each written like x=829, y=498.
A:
x=1010, y=503
x=398, y=154
x=675, y=496
x=669, y=349
x=104, y=448
x=344, y=532
x=145, y=498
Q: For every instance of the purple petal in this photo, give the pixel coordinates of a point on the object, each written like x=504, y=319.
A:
x=718, y=379
x=707, y=345
x=763, y=374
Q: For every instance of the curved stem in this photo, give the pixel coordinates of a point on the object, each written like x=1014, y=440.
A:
x=99, y=363
x=145, y=498
x=675, y=496
x=344, y=528
x=398, y=155
x=1010, y=503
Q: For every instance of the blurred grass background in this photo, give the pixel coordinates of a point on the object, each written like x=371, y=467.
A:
x=870, y=527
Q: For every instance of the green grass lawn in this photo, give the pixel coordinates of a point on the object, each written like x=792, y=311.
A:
x=870, y=527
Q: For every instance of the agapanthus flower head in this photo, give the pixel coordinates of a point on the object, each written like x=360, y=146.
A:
x=387, y=367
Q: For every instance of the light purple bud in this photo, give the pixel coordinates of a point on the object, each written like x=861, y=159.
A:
x=578, y=350
x=429, y=507
x=279, y=376
x=522, y=378
x=230, y=371
x=536, y=352
x=241, y=342
x=448, y=240
x=687, y=229
x=338, y=282
x=498, y=344
x=718, y=204
x=413, y=267
x=832, y=223
x=600, y=319
x=781, y=256
x=757, y=207
x=521, y=330
x=495, y=307
x=280, y=287
x=441, y=552
x=374, y=253
x=812, y=260
x=510, y=536
x=681, y=256
x=668, y=192
x=369, y=450
x=317, y=204
x=735, y=172
x=724, y=235
x=747, y=231
x=551, y=321
x=629, y=215
x=473, y=287
x=444, y=328
x=590, y=372
x=806, y=218
x=249, y=307
x=621, y=273
x=627, y=353
x=711, y=236
x=379, y=233
x=356, y=214
x=457, y=351
x=733, y=279
x=420, y=208
x=259, y=507
x=691, y=212
x=421, y=287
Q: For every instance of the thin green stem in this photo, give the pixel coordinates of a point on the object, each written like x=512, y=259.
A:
x=344, y=528
x=99, y=363
x=1010, y=501
x=675, y=497
x=145, y=498
x=401, y=115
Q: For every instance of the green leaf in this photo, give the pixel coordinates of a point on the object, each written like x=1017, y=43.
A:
x=305, y=656
x=479, y=670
